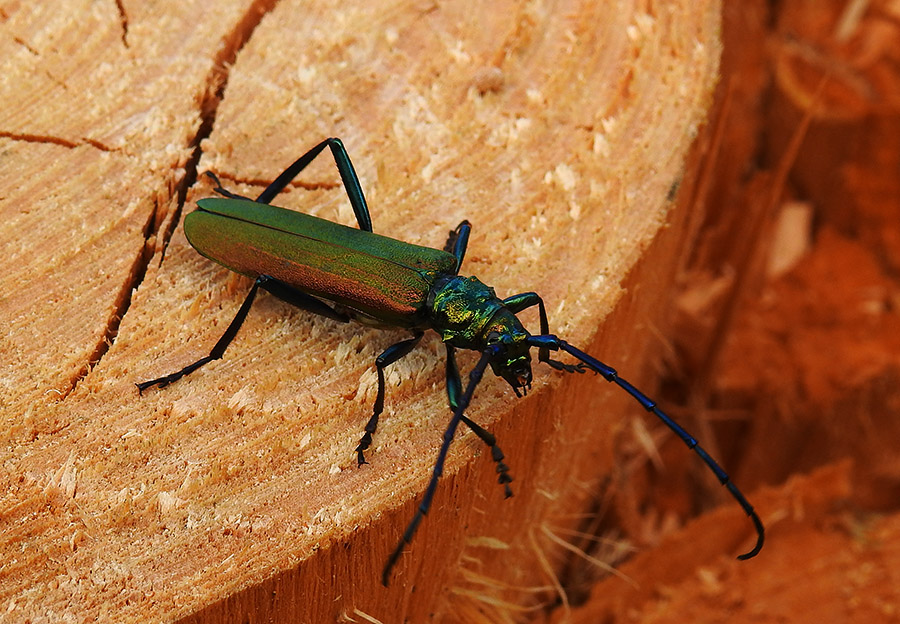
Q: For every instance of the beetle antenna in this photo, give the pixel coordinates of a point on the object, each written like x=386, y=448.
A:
x=609, y=374
x=474, y=378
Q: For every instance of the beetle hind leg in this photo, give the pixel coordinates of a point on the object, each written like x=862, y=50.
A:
x=217, y=351
x=345, y=169
x=300, y=299
x=224, y=192
x=279, y=289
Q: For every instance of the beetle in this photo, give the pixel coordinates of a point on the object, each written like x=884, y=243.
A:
x=345, y=273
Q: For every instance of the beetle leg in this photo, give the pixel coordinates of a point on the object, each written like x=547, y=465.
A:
x=465, y=398
x=217, y=350
x=348, y=177
x=488, y=438
x=300, y=299
x=218, y=188
x=279, y=289
x=458, y=241
x=390, y=355
x=454, y=391
x=453, y=381
x=522, y=301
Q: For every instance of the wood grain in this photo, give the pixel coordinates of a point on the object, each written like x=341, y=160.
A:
x=559, y=129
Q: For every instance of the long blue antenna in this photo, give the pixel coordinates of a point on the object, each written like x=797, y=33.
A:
x=550, y=341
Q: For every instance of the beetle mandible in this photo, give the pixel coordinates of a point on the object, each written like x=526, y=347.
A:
x=345, y=274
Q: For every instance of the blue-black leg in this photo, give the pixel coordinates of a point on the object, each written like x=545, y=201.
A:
x=610, y=374
x=454, y=392
x=464, y=400
x=348, y=177
x=300, y=299
x=217, y=350
x=452, y=378
x=280, y=290
x=458, y=241
x=390, y=355
x=520, y=302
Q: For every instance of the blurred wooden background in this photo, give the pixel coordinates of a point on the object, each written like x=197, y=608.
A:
x=787, y=332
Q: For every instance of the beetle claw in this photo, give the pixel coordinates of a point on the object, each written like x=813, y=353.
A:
x=364, y=443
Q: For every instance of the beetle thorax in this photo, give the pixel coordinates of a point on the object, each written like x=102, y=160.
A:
x=461, y=308
x=469, y=315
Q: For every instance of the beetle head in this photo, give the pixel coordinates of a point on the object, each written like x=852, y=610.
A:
x=512, y=361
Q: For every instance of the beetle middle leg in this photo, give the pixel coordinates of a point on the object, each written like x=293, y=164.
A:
x=279, y=289
x=388, y=357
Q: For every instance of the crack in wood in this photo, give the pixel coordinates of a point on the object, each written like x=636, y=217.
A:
x=38, y=138
x=26, y=137
x=123, y=17
x=214, y=90
x=294, y=184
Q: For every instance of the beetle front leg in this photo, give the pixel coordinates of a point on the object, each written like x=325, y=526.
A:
x=464, y=399
x=390, y=355
x=454, y=392
x=522, y=301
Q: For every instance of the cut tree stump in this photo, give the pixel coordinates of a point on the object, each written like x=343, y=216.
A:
x=560, y=131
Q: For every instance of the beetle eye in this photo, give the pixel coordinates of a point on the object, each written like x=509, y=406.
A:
x=493, y=338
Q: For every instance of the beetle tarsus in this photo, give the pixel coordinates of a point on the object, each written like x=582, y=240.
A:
x=503, y=477
x=164, y=381
x=218, y=188
x=566, y=368
x=364, y=444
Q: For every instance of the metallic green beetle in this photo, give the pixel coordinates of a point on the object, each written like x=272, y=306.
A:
x=345, y=274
